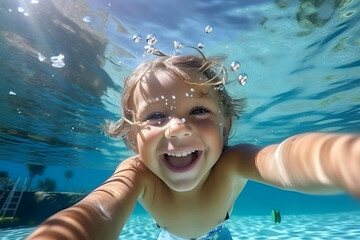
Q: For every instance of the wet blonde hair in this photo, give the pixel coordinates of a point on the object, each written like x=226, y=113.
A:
x=178, y=66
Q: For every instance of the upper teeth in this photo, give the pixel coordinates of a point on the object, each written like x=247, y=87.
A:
x=180, y=154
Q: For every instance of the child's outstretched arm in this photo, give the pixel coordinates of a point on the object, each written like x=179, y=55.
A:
x=313, y=163
x=100, y=215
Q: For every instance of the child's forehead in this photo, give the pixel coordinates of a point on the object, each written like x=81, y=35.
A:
x=163, y=83
x=165, y=79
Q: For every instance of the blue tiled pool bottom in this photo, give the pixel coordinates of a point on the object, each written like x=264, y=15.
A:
x=318, y=226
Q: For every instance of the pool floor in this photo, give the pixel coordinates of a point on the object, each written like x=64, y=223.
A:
x=345, y=225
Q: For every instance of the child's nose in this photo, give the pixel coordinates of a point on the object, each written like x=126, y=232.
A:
x=177, y=128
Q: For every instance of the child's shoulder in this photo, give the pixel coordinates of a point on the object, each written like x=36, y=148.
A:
x=238, y=160
x=133, y=165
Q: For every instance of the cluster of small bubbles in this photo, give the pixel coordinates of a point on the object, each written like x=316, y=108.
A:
x=209, y=29
x=41, y=57
x=201, y=45
x=137, y=38
x=149, y=49
x=58, y=61
x=235, y=65
x=151, y=39
x=243, y=78
x=177, y=45
x=87, y=19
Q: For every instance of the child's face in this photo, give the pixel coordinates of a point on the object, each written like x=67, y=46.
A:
x=180, y=132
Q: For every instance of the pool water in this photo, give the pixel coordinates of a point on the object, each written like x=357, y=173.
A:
x=61, y=69
x=340, y=226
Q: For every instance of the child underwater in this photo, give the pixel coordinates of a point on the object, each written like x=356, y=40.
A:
x=177, y=118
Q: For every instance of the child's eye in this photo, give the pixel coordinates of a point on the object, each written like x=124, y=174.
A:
x=155, y=116
x=198, y=110
x=156, y=119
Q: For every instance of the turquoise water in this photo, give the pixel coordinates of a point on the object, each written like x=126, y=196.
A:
x=301, y=58
x=325, y=226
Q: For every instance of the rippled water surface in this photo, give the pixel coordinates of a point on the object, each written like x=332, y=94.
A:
x=62, y=65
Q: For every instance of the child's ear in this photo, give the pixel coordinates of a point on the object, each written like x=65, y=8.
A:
x=131, y=137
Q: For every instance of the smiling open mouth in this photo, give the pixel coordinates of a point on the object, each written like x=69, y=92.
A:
x=181, y=161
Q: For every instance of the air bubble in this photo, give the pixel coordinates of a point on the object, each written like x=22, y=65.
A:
x=137, y=38
x=41, y=57
x=87, y=19
x=57, y=58
x=201, y=45
x=183, y=120
x=149, y=49
x=209, y=29
x=12, y=93
x=58, y=61
x=151, y=39
x=177, y=45
x=235, y=65
x=173, y=97
x=243, y=78
x=192, y=90
x=20, y=9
